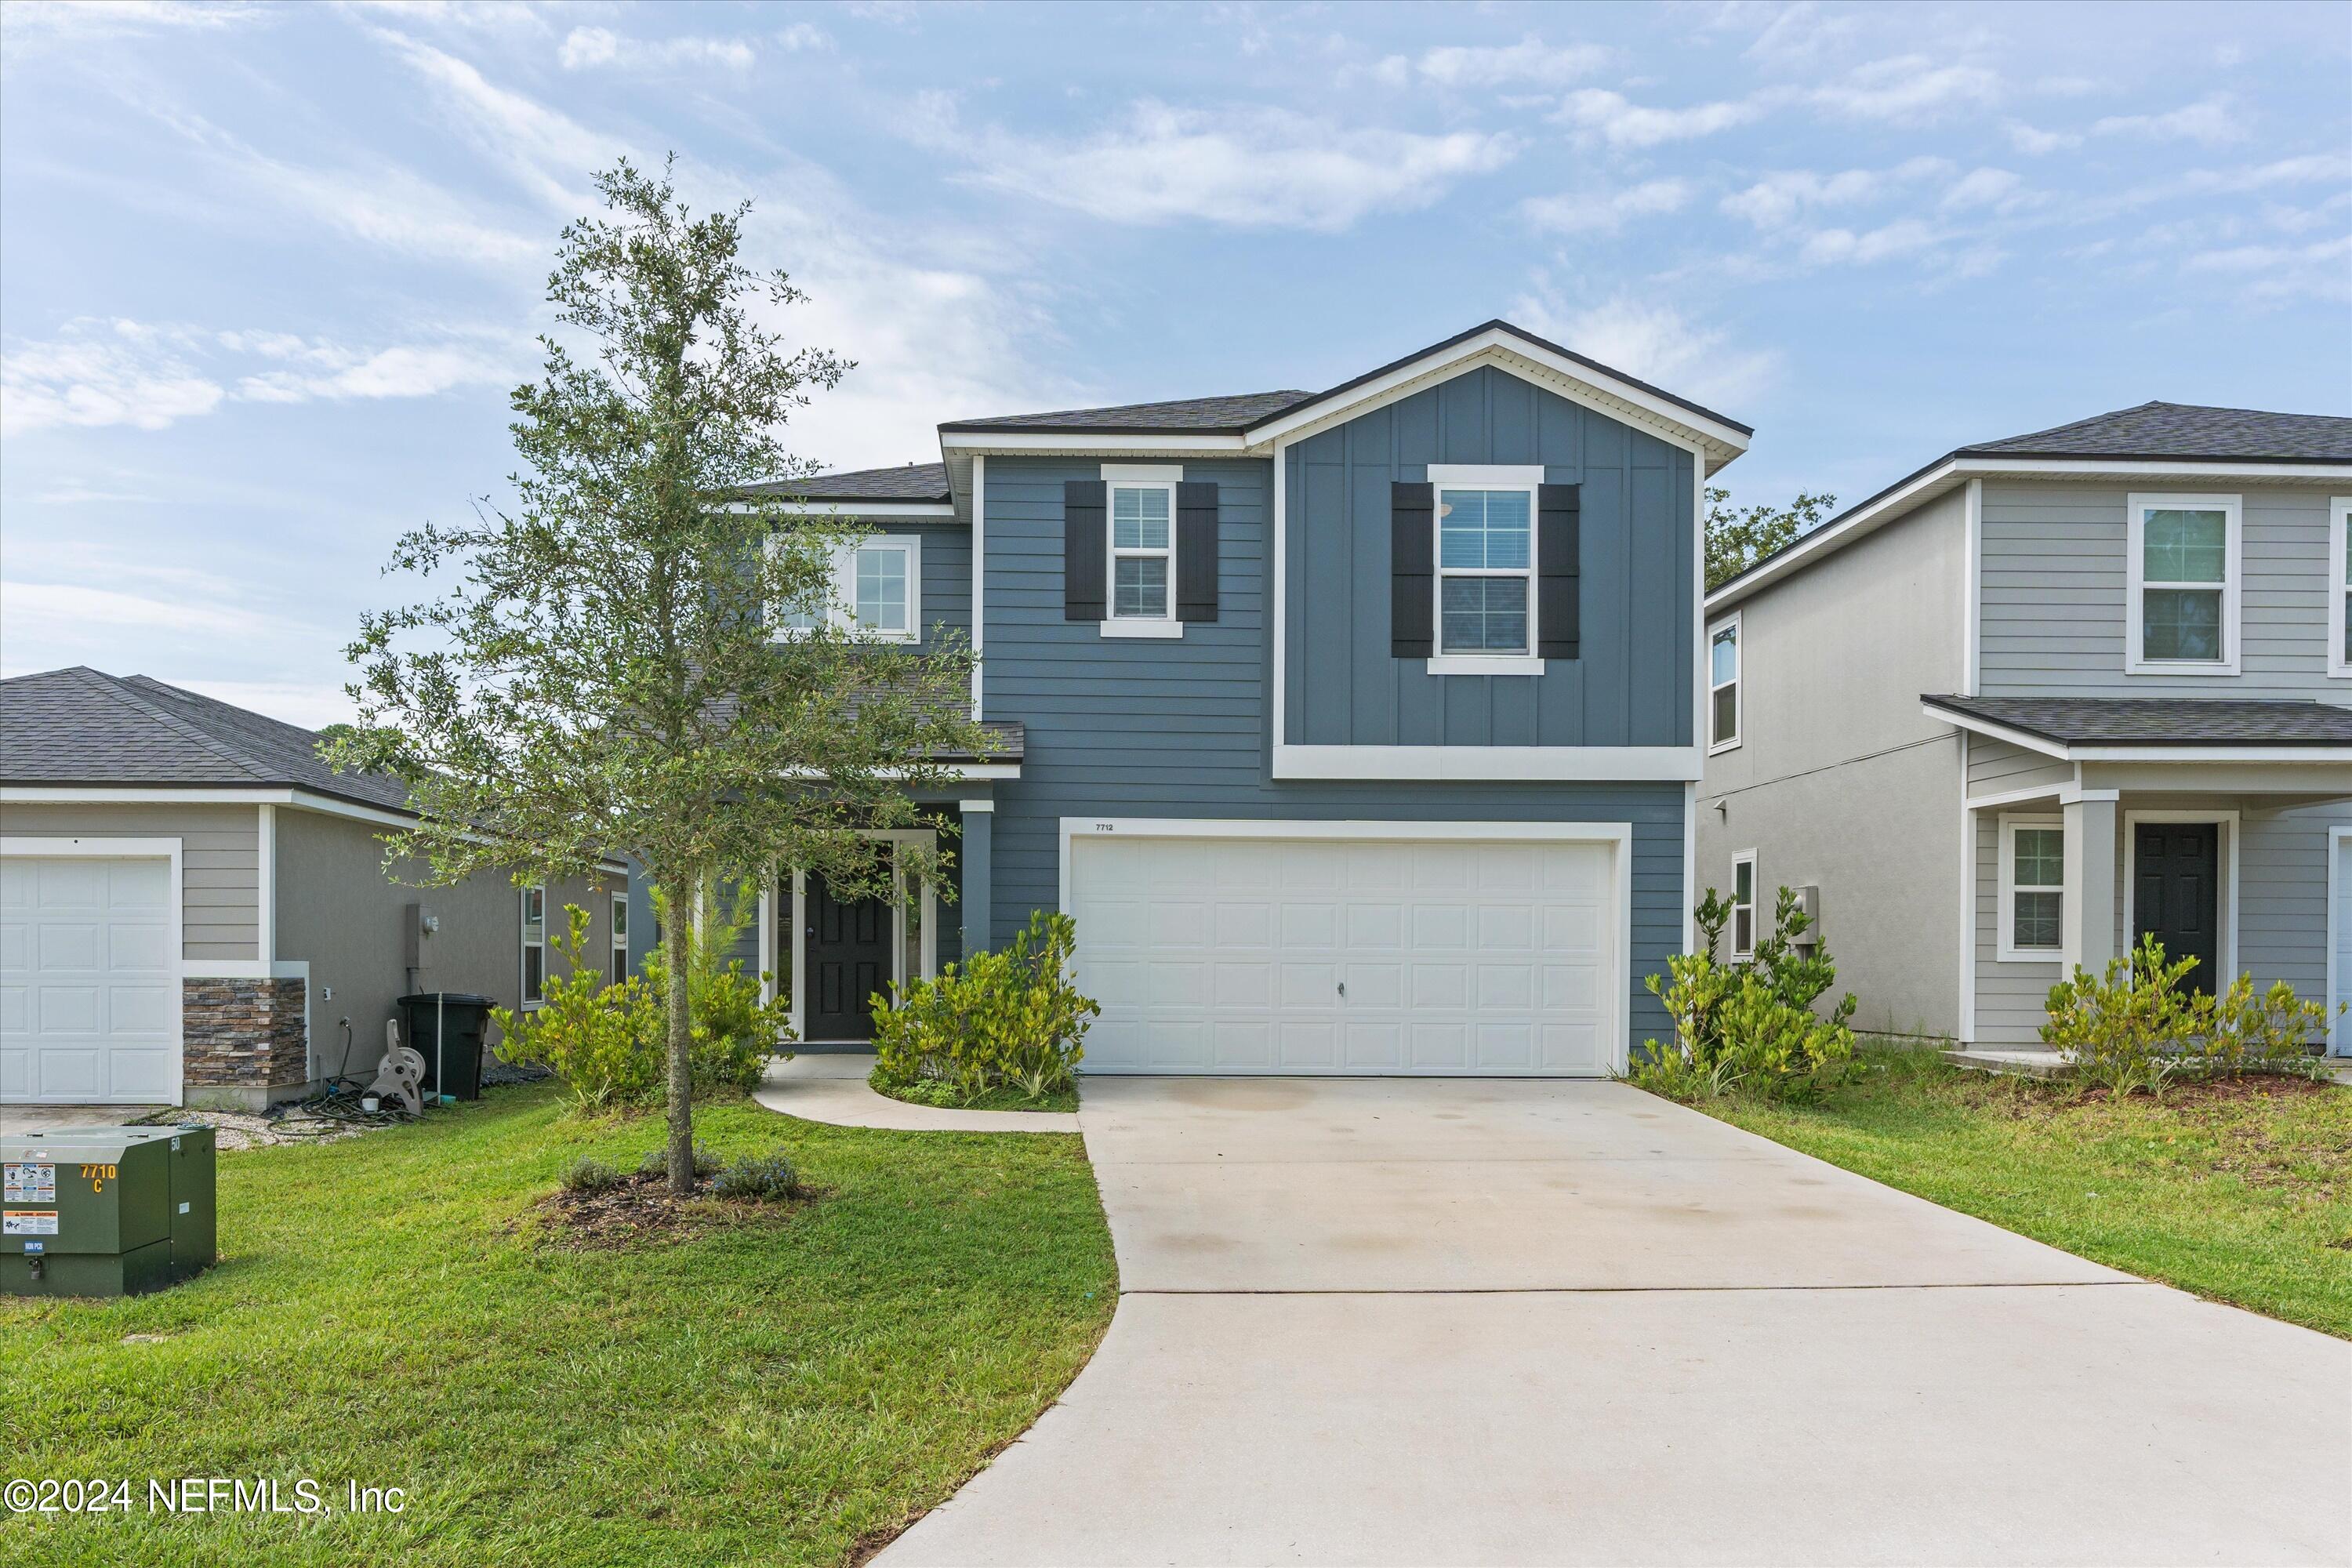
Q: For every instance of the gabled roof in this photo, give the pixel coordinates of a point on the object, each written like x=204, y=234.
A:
x=2154, y=438
x=2157, y=721
x=82, y=726
x=2185, y=431
x=907, y=482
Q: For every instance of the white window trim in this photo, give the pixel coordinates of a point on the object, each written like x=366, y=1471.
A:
x=1119, y=477
x=2233, y=578
x=1738, y=684
x=1754, y=899
x=2006, y=948
x=1526, y=477
x=523, y=944
x=2339, y=590
x=841, y=610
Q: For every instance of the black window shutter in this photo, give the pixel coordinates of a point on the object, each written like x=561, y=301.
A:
x=1085, y=541
x=1196, y=550
x=1412, y=569
x=1559, y=548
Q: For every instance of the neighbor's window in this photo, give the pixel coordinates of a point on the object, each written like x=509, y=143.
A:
x=2339, y=598
x=1723, y=687
x=1142, y=552
x=534, y=946
x=1743, y=905
x=2037, y=880
x=2184, y=554
x=1485, y=571
x=877, y=584
x=620, y=936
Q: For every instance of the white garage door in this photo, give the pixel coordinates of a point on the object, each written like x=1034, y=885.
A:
x=1347, y=955
x=2343, y=945
x=89, y=987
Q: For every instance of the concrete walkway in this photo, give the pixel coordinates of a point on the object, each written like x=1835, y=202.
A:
x=1377, y=1321
x=830, y=1087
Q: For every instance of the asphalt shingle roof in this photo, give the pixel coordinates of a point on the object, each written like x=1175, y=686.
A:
x=2161, y=720
x=908, y=481
x=2184, y=430
x=82, y=726
x=1233, y=412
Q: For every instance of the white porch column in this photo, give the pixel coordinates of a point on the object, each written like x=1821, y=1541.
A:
x=2089, y=920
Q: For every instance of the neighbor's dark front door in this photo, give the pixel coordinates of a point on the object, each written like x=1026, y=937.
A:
x=2176, y=896
x=847, y=959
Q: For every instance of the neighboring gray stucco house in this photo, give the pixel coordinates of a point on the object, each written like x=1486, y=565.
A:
x=2041, y=696
x=1357, y=729
x=191, y=903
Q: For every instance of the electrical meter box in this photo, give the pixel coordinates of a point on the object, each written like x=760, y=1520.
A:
x=106, y=1211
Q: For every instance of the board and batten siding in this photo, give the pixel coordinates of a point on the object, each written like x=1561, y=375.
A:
x=1629, y=684
x=1181, y=727
x=2057, y=578
x=220, y=859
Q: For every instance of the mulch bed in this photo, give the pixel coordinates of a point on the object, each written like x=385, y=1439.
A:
x=642, y=1209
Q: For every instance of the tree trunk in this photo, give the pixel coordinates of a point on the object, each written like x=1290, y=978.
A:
x=678, y=945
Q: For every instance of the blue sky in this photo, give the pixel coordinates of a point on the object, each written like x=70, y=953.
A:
x=267, y=272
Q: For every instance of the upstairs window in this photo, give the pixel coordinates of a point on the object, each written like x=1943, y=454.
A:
x=1143, y=553
x=2032, y=887
x=534, y=946
x=876, y=586
x=1485, y=571
x=2339, y=594
x=2183, y=615
x=1723, y=687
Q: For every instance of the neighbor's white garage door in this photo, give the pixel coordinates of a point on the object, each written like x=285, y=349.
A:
x=89, y=987
x=1336, y=955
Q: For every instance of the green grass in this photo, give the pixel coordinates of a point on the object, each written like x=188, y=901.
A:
x=996, y=1096
x=2244, y=1201
x=385, y=1311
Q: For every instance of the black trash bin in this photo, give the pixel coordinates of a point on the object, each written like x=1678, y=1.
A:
x=445, y=1027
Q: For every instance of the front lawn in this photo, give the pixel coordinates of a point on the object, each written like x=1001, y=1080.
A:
x=2244, y=1196
x=386, y=1311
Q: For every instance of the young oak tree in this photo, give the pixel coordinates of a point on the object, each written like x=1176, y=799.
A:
x=1737, y=539
x=608, y=671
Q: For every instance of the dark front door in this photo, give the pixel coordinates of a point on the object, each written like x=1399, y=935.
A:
x=2176, y=895
x=847, y=959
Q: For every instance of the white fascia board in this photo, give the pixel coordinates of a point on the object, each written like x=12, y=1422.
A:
x=852, y=510
x=2041, y=743
x=1695, y=428
x=2210, y=753
x=1953, y=472
x=1598, y=765
x=1347, y=828
x=981, y=442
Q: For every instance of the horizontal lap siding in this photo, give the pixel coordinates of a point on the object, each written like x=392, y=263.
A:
x=1996, y=767
x=2282, y=896
x=1631, y=684
x=1178, y=728
x=2057, y=578
x=220, y=859
x=2010, y=998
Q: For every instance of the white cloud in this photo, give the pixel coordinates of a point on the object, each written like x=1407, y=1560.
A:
x=1907, y=88
x=2321, y=270
x=68, y=21
x=1981, y=188
x=1653, y=342
x=1623, y=123
x=1779, y=199
x=33, y=609
x=1796, y=34
x=313, y=706
x=1530, y=59
x=586, y=49
x=2209, y=122
x=1604, y=212
x=320, y=369
x=1252, y=168
x=1835, y=247
x=802, y=36
x=2034, y=143
x=98, y=374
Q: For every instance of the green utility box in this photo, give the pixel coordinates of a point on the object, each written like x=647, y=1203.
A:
x=106, y=1211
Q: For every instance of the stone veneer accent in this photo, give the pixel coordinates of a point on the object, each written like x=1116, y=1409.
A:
x=246, y=1033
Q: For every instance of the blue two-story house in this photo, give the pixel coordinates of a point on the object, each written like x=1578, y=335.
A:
x=1358, y=730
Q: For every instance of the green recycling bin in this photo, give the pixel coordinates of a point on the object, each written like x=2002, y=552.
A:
x=106, y=1211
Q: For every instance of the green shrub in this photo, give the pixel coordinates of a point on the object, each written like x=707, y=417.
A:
x=1748, y=1022
x=2136, y=1028
x=657, y=1162
x=734, y=1032
x=589, y=1176
x=601, y=1039
x=1008, y=1016
x=759, y=1178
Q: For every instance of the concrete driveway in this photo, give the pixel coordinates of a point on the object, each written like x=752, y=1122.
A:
x=1386, y=1321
